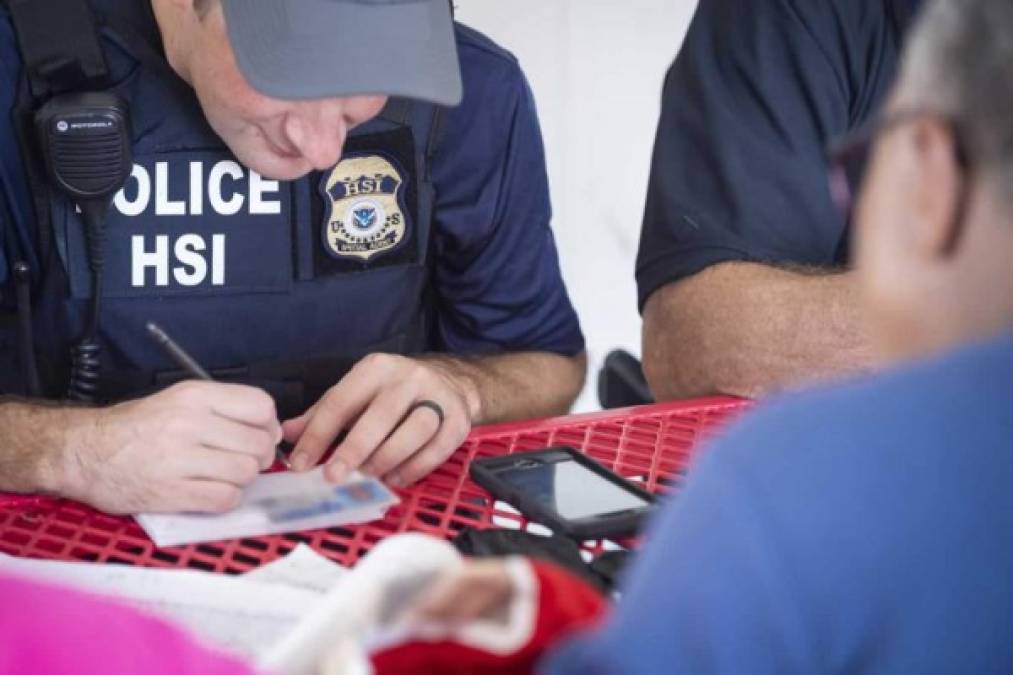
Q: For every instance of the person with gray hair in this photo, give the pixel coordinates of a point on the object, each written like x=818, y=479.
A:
x=866, y=527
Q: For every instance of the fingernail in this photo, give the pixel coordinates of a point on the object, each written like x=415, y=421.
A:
x=284, y=459
x=337, y=471
x=395, y=481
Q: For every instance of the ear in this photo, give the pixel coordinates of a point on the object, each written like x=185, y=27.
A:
x=940, y=188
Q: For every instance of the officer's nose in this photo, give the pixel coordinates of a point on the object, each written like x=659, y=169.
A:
x=317, y=136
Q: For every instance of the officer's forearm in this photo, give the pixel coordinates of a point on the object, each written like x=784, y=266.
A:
x=750, y=330
x=36, y=450
x=517, y=386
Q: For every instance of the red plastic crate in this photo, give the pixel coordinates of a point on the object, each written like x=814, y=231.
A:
x=650, y=444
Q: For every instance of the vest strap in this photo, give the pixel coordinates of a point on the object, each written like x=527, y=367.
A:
x=60, y=46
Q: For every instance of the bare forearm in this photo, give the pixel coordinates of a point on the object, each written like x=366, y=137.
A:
x=519, y=385
x=35, y=444
x=191, y=447
x=749, y=330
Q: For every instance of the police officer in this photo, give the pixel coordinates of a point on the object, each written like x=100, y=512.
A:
x=743, y=270
x=376, y=272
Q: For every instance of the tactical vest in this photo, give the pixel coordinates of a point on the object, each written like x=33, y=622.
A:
x=283, y=285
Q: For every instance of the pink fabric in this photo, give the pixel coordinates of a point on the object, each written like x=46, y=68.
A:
x=46, y=629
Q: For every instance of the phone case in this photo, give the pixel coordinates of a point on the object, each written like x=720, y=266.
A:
x=621, y=524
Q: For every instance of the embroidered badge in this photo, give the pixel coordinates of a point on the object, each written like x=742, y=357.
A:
x=365, y=207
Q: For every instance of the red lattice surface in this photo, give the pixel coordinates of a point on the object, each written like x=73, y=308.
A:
x=652, y=444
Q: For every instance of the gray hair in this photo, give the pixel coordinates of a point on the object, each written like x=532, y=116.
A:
x=959, y=62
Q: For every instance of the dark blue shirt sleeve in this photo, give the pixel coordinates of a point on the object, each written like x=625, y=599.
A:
x=758, y=91
x=497, y=275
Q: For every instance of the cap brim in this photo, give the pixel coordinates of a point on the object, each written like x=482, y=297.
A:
x=303, y=49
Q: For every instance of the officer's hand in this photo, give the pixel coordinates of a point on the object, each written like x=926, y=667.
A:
x=191, y=447
x=387, y=436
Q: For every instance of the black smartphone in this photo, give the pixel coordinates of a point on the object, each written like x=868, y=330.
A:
x=566, y=491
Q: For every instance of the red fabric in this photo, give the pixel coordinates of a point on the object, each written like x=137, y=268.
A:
x=565, y=605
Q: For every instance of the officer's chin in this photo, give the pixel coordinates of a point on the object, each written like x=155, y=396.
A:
x=272, y=165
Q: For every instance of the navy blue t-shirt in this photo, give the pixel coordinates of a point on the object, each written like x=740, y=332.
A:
x=863, y=529
x=497, y=269
x=757, y=93
x=497, y=280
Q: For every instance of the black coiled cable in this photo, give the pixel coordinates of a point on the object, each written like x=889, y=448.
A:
x=86, y=356
x=85, y=371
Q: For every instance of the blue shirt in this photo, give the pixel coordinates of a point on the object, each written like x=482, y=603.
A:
x=497, y=266
x=864, y=529
x=758, y=91
x=497, y=280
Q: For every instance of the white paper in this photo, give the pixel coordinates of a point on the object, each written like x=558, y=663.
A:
x=301, y=568
x=277, y=616
x=276, y=503
x=236, y=614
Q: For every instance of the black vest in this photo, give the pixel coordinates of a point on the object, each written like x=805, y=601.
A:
x=279, y=284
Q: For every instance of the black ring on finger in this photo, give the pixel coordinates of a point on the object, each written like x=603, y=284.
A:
x=432, y=405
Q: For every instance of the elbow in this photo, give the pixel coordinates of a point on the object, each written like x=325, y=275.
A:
x=569, y=374
x=694, y=370
x=672, y=376
x=574, y=375
x=686, y=353
x=672, y=352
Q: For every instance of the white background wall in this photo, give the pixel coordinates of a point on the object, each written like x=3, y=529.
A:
x=596, y=68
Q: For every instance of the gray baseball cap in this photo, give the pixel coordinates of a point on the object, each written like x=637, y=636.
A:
x=300, y=49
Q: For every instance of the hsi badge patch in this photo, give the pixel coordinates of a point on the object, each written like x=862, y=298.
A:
x=365, y=207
